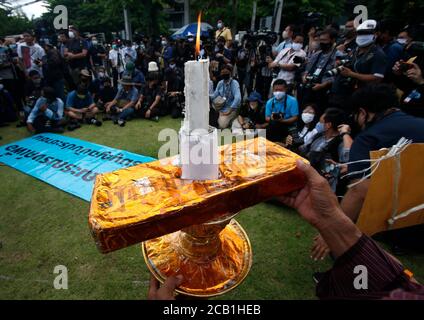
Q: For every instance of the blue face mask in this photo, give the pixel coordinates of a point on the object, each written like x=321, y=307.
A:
x=279, y=95
x=320, y=127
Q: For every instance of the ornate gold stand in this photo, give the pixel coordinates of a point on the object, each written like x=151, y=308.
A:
x=213, y=258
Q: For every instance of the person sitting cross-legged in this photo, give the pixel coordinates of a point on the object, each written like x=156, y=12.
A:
x=81, y=107
x=47, y=114
x=121, y=108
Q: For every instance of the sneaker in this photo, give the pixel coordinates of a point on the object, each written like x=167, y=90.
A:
x=95, y=122
x=115, y=121
x=121, y=123
x=156, y=119
x=317, y=276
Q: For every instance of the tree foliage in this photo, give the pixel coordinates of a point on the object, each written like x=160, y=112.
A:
x=13, y=24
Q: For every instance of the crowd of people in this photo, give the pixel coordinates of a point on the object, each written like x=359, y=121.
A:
x=330, y=94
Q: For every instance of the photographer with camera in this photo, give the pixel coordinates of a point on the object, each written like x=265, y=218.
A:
x=368, y=64
x=287, y=40
x=289, y=60
x=252, y=115
x=331, y=145
x=316, y=80
x=409, y=78
x=301, y=136
x=281, y=112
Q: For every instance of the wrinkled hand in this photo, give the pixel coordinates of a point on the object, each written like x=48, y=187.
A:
x=315, y=200
x=319, y=248
x=166, y=292
x=415, y=74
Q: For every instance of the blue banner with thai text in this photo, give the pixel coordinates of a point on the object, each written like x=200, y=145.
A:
x=66, y=163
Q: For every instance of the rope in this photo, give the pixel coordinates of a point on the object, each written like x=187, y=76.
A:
x=394, y=151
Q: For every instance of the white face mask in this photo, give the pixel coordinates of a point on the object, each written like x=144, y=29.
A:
x=285, y=35
x=297, y=46
x=402, y=41
x=364, y=40
x=94, y=42
x=163, y=43
x=279, y=95
x=219, y=25
x=307, y=117
x=71, y=34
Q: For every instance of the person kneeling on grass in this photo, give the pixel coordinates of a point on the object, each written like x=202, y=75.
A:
x=47, y=114
x=251, y=117
x=81, y=107
x=121, y=108
x=148, y=104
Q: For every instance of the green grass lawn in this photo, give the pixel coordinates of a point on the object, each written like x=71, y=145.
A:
x=41, y=227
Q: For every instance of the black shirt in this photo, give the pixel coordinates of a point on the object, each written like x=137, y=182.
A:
x=384, y=133
x=76, y=46
x=150, y=94
x=374, y=61
x=175, y=79
x=256, y=116
x=94, y=51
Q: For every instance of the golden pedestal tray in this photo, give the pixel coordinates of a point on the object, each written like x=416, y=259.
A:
x=187, y=226
x=213, y=257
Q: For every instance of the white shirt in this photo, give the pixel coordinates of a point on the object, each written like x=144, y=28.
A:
x=286, y=56
x=128, y=54
x=308, y=136
x=29, y=54
x=113, y=57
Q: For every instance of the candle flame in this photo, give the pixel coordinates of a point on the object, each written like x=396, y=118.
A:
x=198, y=34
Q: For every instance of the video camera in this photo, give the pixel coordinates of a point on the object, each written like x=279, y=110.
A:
x=256, y=37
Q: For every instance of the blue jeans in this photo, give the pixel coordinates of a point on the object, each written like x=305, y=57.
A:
x=124, y=115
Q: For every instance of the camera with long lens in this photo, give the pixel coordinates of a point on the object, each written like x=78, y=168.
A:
x=297, y=140
x=335, y=71
x=311, y=81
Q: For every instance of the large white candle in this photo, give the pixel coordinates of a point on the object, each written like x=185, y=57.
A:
x=197, y=95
